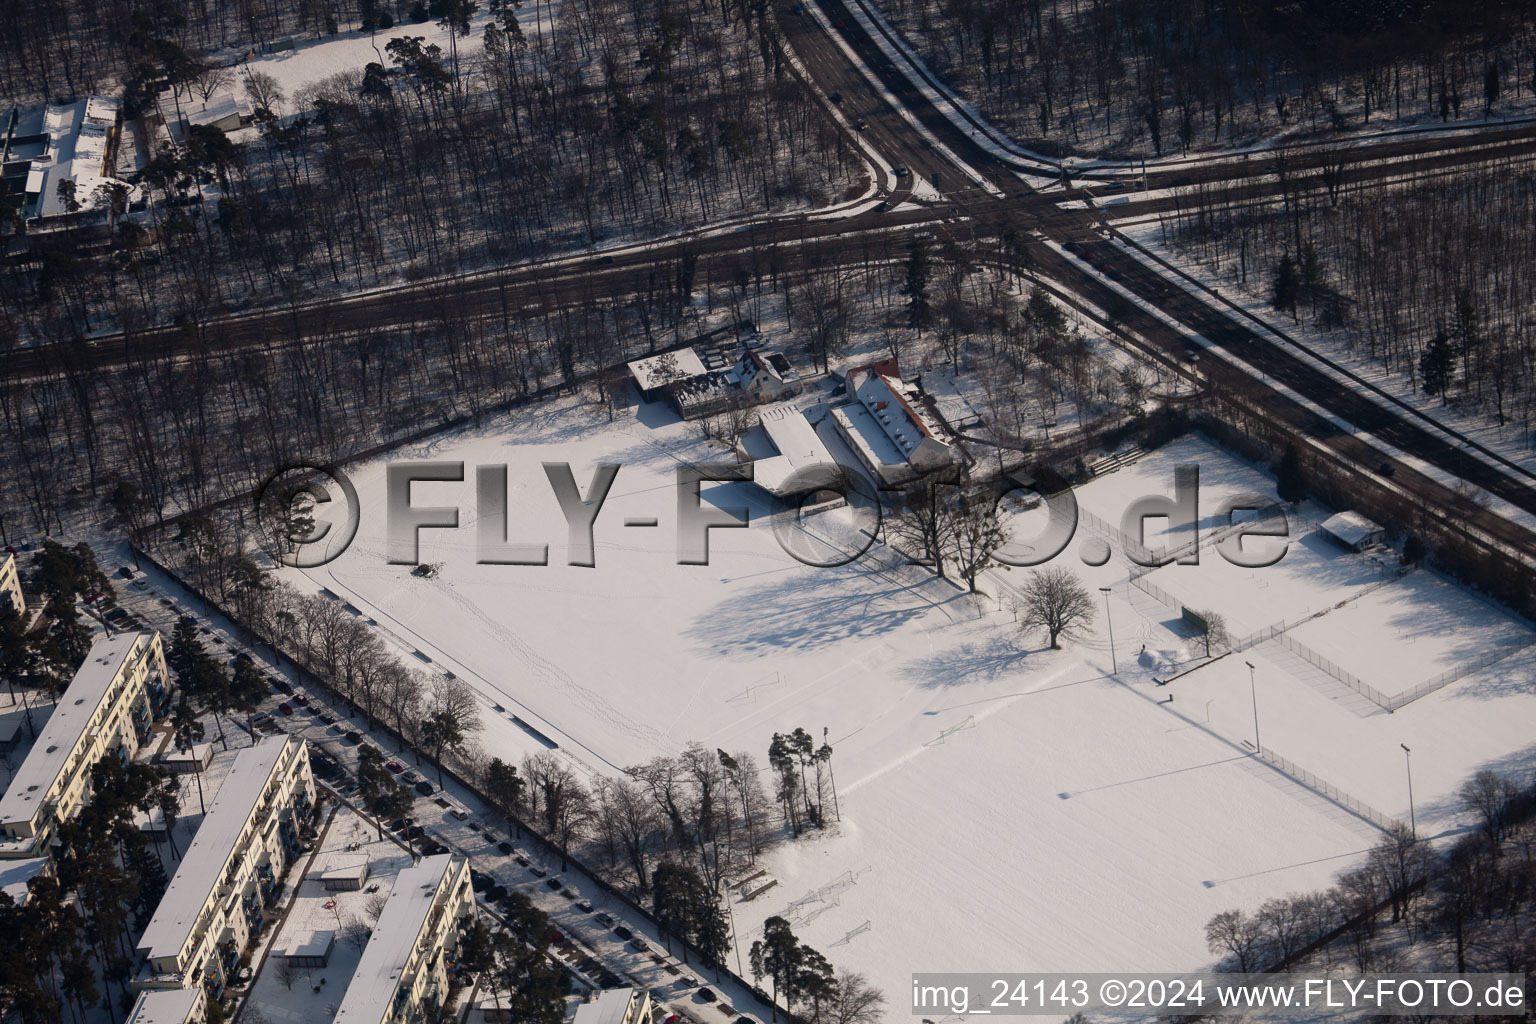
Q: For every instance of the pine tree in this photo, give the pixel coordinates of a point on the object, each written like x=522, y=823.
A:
x=1436, y=364
x=919, y=314
x=1287, y=287
x=1290, y=485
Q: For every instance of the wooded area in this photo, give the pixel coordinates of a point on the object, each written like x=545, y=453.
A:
x=1432, y=280
x=1135, y=78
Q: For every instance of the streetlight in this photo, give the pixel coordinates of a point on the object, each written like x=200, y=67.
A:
x=1408, y=766
x=1114, y=665
x=1254, y=694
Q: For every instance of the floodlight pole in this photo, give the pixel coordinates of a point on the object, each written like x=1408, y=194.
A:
x=1254, y=694
x=1408, y=766
x=1114, y=664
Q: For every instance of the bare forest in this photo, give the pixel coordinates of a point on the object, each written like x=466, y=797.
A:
x=1127, y=78
x=1431, y=280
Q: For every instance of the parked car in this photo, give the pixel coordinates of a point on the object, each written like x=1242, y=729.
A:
x=707, y=995
x=326, y=717
x=537, y=871
x=354, y=737
x=301, y=700
x=480, y=881
x=395, y=767
x=282, y=686
x=414, y=832
x=638, y=945
x=496, y=893
x=463, y=815
x=504, y=847
x=585, y=906
x=623, y=933
x=900, y=170
x=554, y=883
x=409, y=776
x=604, y=919
x=836, y=97
x=424, y=788
x=285, y=708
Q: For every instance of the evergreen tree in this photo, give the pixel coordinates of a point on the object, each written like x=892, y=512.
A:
x=1289, y=483
x=1436, y=365
x=1287, y=285
x=919, y=313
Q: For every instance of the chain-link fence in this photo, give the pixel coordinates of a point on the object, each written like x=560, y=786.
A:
x=1332, y=792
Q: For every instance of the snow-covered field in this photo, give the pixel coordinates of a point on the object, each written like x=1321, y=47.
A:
x=1075, y=819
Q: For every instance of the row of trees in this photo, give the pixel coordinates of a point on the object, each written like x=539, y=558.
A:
x=1468, y=906
x=1119, y=77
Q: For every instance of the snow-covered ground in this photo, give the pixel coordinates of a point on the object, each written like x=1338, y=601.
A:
x=1074, y=819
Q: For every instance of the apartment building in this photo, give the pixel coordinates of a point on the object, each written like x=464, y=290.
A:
x=170, y=1006
x=215, y=904
x=10, y=584
x=107, y=709
x=616, y=1006
x=408, y=961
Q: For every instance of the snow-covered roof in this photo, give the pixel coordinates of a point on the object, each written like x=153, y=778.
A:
x=372, y=989
x=866, y=434
x=686, y=360
x=310, y=943
x=166, y=1006
x=57, y=740
x=209, y=854
x=1350, y=527
x=800, y=449
x=342, y=866
x=78, y=134
x=15, y=874
x=610, y=1007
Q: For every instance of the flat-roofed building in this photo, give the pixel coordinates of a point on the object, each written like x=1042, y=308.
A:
x=228, y=875
x=107, y=709
x=404, y=968
x=170, y=1006
x=10, y=584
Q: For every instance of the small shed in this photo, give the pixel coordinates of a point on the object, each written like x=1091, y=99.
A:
x=199, y=757
x=1353, y=530
x=310, y=948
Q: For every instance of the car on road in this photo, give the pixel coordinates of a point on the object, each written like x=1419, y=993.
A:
x=623, y=933
x=285, y=708
x=882, y=206
x=900, y=170
x=603, y=919
x=860, y=124
x=395, y=767
x=424, y=788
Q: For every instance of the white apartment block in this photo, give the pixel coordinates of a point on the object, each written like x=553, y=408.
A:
x=405, y=966
x=107, y=709
x=10, y=584
x=215, y=904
